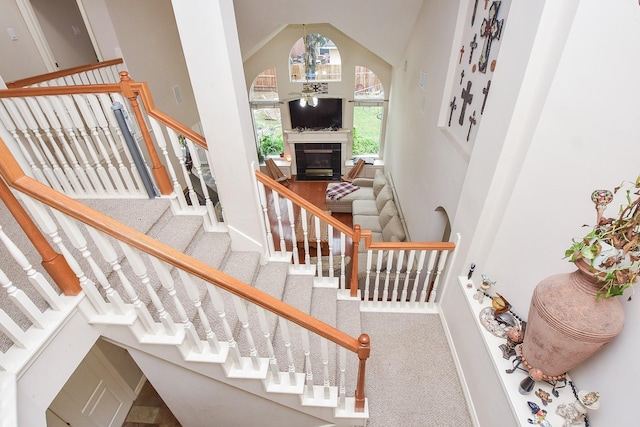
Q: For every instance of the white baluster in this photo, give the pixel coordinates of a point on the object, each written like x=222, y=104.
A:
x=343, y=276
x=286, y=338
x=388, y=269
x=367, y=281
x=276, y=206
x=140, y=270
x=49, y=227
x=12, y=330
x=218, y=306
x=197, y=165
x=407, y=277
x=330, y=244
x=20, y=124
x=427, y=279
x=265, y=214
x=416, y=281
x=241, y=310
x=88, y=143
x=294, y=238
x=376, y=286
x=46, y=106
x=306, y=348
x=168, y=283
x=324, y=354
x=109, y=254
x=101, y=119
x=90, y=121
x=436, y=281
x=22, y=301
x=36, y=278
x=342, y=390
x=78, y=241
x=273, y=363
x=396, y=282
x=194, y=296
x=162, y=144
x=66, y=176
x=180, y=154
x=10, y=126
x=318, y=236
x=305, y=235
x=67, y=123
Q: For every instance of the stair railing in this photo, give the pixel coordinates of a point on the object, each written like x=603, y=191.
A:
x=166, y=319
x=300, y=225
x=401, y=275
x=104, y=72
x=73, y=142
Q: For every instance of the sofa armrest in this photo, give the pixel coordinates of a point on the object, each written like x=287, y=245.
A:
x=363, y=182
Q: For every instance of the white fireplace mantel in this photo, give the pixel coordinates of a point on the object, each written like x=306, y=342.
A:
x=342, y=137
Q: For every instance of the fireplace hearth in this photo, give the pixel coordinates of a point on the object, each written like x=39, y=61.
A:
x=318, y=162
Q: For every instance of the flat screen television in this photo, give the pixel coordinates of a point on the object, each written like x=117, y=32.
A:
x=326, y=115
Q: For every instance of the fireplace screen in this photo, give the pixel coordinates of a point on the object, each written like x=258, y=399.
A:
x=318, y=161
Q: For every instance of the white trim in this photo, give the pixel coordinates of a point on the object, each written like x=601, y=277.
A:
x=89, y=28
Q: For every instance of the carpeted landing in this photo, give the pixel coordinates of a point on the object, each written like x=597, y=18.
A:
x=411, y=377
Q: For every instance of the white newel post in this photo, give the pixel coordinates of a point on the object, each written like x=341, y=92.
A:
x=212, y=52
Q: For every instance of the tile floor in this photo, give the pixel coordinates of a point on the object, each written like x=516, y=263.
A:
x=149, y=410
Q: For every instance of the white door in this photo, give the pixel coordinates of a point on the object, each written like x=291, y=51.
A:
x=94, y=395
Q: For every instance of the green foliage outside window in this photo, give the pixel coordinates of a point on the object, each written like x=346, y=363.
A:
x=366, y=130
x=270, y=144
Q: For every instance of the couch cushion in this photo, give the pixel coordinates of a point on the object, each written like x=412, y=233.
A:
x=393, y=228
x=368, y=222
x=365, y=207
x=388, y=212
x=383, y=197
x=379, y=181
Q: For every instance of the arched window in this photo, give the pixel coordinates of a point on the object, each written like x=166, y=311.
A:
x=368, y=113
x=314, y=57
x=265, y=111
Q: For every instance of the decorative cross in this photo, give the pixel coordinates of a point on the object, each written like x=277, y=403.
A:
x=490, y=30
x=453, y=106
x=473, y=45
x=461, y=76
x=461, y=53
x=472, y=121
x=473, y=17
x=485, y=91
x=467, y=98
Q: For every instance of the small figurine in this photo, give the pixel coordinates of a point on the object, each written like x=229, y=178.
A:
x=540, y=415
x=544, y=396
x=573, y=413
x=484, y=287
x=589, y=399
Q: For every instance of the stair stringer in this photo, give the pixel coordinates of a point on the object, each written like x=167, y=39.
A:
x=254, y=384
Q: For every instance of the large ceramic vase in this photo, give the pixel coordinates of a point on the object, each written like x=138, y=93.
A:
x=567, y=323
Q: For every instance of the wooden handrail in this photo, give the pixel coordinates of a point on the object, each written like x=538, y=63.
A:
x=28, y=81
x=54, y=263
x=15, y=177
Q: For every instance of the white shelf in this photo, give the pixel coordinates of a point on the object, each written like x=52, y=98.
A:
x=511, y=382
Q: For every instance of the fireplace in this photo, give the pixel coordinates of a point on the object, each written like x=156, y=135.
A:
x=318, y=162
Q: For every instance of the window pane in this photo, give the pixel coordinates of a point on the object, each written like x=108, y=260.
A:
x=268, y=129
x=368, y=85
x=318, y=59
x=265, y=87
x=367, y=125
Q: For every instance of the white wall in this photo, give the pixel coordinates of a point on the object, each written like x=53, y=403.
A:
x=587, y=138
x=20, y=58
x=198, y=401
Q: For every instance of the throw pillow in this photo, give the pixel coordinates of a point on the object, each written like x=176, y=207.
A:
x=393, y=228
x=383, y=197
x=379, y=181
x=388, y=212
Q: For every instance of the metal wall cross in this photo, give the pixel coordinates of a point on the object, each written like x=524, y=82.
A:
x=490, y=30
x=467, y=98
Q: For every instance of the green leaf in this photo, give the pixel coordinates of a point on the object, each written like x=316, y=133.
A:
x=587, y=252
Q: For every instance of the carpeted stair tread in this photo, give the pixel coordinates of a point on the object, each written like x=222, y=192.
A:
x=324, y=308
x=348, y=321
x=297, y=293
x=270, y=280
x=211, y=248
x=141, y=214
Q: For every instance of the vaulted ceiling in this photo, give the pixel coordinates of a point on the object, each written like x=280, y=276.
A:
x=382, y=26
